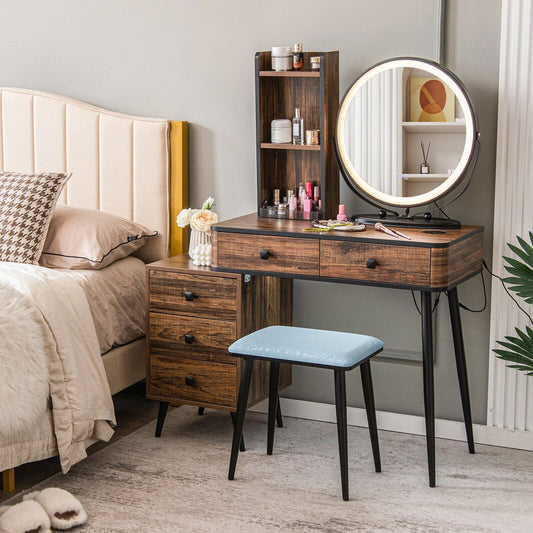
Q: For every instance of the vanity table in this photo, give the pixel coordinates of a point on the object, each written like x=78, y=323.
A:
x=432, y=261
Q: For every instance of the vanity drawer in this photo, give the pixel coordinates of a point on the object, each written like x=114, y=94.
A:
x=185, y=380
x=192, y=338
x=263, y=253
x=401, y=265
x=191, y=294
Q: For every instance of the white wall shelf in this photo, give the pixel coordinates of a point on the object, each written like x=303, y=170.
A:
x=434, y=127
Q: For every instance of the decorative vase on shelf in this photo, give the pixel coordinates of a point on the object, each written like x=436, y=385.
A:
x=196, y=238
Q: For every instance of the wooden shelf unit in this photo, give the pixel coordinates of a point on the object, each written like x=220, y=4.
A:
x=285, y=166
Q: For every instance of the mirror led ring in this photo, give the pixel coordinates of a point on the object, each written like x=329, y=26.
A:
x=458, y=173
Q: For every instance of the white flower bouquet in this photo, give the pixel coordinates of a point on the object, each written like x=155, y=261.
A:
x=199, y=219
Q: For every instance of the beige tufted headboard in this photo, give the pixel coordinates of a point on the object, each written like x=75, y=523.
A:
x=121, y=164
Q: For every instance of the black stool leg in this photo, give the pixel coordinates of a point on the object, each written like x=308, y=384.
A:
x=368, y=392
x=233, y=419
x=279, y=418
x=163, y=407
x=340, y=404
x=241, y=411
x=429, y=400
x=273, y=403
x=460, y=362
x=201, y=411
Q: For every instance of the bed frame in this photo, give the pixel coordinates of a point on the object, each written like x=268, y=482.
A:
x=133, y=167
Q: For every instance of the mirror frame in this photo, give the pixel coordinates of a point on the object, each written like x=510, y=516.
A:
x=468, y=156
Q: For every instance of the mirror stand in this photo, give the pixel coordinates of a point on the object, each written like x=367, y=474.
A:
x=412, y=221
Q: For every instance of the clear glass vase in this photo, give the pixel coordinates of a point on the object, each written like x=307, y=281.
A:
x=196, y=238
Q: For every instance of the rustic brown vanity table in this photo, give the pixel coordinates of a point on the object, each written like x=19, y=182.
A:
x=432, y=261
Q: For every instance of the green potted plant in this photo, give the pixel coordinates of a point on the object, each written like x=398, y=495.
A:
x=519, y=350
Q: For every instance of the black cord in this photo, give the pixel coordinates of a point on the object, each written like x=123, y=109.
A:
x=484, y=298
x=441, y=210
x=435, y=303
x=507, y=291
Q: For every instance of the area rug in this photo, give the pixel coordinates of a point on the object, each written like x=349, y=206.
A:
x=178, y=483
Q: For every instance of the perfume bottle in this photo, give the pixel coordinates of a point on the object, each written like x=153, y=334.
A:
x=297, y=57
x=297, y=128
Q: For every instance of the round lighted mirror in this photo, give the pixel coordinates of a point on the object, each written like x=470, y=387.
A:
x=406, y=133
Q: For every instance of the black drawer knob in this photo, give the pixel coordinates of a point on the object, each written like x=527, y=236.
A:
x=371, y=263
x=264, y=254
x=189, y=296
x=189, y=339
x=189, y=381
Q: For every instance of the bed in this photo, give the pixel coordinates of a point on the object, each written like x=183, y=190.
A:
x=127, y=166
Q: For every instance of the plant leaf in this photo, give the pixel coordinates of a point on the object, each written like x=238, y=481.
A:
x=519, y=350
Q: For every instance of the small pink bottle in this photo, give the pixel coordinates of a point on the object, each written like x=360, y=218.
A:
x=341, y=215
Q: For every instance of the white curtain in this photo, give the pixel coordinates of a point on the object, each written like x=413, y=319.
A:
x=510, y=395
x=373, y=131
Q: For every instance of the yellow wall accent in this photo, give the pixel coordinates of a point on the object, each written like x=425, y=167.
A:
x=179, y=184
x=8, y=480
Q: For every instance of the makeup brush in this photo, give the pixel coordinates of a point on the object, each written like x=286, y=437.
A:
x=380, y=227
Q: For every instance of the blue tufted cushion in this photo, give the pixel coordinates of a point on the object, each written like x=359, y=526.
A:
x=308, y=346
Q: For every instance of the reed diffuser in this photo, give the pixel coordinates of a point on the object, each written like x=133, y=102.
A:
x=424, y=167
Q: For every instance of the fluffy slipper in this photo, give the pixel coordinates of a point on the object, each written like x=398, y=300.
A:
x=65, y=511
x=24, y=517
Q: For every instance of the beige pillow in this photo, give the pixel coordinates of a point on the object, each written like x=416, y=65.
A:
x=88, y=239
x=27, y=202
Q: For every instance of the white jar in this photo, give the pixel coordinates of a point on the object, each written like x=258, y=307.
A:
x=281, y=131
x=281, y=58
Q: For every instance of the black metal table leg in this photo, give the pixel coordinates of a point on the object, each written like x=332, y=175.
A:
x=163, y=407
x=241, y=411
x=460, y=361
x=201, y=411
x=368, y=393
x=429, y=401
x=242, y=448
x=272, y=403
x=279, y=418
x=340, y=405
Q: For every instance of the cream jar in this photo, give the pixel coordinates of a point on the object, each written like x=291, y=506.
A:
x=281, y=131
x=281, y=58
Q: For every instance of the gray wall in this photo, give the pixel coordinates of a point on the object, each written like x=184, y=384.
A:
x=193, y=60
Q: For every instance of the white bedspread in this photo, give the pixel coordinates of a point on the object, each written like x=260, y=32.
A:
x=82, y=405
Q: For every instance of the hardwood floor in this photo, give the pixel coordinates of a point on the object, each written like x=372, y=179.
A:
x=132, y=411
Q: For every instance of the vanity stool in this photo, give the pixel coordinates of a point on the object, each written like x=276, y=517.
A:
x=312, y=347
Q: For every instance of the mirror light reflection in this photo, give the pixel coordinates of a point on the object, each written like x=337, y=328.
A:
x=385, y=119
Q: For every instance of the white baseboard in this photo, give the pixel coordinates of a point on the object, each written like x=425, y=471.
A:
x=415, y=425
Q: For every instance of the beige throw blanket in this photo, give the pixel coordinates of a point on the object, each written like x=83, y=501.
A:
x=82, y=405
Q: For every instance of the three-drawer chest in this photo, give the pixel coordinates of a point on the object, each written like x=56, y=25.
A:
x=193, y=315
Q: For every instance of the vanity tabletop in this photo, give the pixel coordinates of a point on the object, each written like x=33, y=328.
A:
x=420, y=237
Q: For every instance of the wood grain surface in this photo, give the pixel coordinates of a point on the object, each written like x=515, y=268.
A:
x=285, y=255
x=226, y=306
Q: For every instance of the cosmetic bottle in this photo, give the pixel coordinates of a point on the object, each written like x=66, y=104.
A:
x=316, y=197
x=281, y=58
x=309, y=190
x=293, y=206
x=307, y=208
x=301, y=196
x=297, y=57
x=297, y=128
x=341, y=217
x=276, y=197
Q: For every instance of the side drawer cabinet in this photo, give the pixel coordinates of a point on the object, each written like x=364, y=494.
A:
x=193, y=315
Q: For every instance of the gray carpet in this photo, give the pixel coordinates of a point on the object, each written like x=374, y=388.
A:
x=178, y=483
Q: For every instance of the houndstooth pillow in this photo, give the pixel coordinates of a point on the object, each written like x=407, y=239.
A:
x=27, y=202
